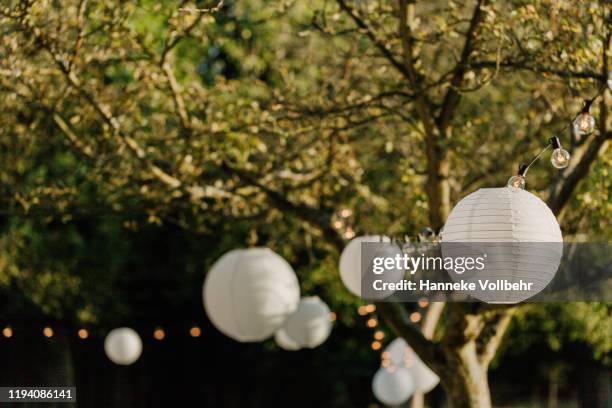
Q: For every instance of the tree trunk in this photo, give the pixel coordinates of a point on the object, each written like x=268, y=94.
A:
x=465, y=381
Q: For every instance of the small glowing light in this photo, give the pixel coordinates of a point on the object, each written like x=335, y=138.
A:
x=415, y=317
x=376, y=345
x=7, y=332
x=423, y=302
x=159, y=334
x=372, y=322
x=195, y=331
x=338, y=224
x=560, y=158
x=362, y=310
x=48, y=332
x=517, y=182
x=584, y=124
x=370, y=308
x=349, y=233
x=379, y=335
x=346, y=212
x=332, y=316
x=385, y=355
x=83, y=334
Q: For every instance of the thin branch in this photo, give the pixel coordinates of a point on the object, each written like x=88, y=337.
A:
x=382, y=47
x=452, y=97
x=562, y=73
x=492, y=335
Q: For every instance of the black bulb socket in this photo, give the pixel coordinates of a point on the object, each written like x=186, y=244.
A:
x=555, y=143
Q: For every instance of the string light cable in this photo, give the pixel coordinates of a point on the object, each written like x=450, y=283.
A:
x=582, y=124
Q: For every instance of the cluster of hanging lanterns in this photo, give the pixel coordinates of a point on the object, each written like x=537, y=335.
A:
x=402, y=373
x=252, y=294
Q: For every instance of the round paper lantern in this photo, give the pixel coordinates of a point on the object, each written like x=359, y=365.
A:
x=248, y=293
x=392, y=386
x=123, y=346
x=310, y=325
x=360, y=282
x=402, y=355
x=284, y=341
x=519, y=235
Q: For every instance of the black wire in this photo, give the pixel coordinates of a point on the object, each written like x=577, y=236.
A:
x=586, y=109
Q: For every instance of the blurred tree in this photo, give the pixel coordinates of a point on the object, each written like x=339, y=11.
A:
x=279, y=114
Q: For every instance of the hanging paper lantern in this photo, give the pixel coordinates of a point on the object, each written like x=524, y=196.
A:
x=248, y=293
x=310, y=325
x=123, y=346
x=392, y=385
x=519, y=235
x=358, y=281
x=285, y=342
x=402, y=355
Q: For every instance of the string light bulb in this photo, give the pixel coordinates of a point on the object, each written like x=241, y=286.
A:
x=560, y=157
x=48, y=332
x=517, y=181
x=195, y=331
x=584, y=123
x=83, y=334
x=159, y=334
x=7, y=332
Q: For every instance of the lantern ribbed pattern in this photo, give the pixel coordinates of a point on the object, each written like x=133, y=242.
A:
x=249, y=293
x=518, y=233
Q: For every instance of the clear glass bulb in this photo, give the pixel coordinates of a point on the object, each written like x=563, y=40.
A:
x=517, y=182
x=560, y=158
x=584, y=124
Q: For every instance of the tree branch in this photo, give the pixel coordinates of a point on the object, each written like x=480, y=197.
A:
x=452, y=97
x=372, y=36
x=569, y=181
x=492, y=334
x=313, y=216
x=538, y=69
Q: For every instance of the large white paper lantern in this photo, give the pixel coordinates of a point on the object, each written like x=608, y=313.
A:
x=285, y=342
x=518, y=233
x=358, y=281
x=310, y=325
x=123, y=346
x=249, y=293
x=402, y=355
x=393, y=385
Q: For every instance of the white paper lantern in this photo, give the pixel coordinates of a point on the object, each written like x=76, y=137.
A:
x=249, y=293
x=310, y=325
x=360, y=282
x=285, y=342
x=517, y=231
x=123, y=346
x=392, y=386
x=402, y=355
